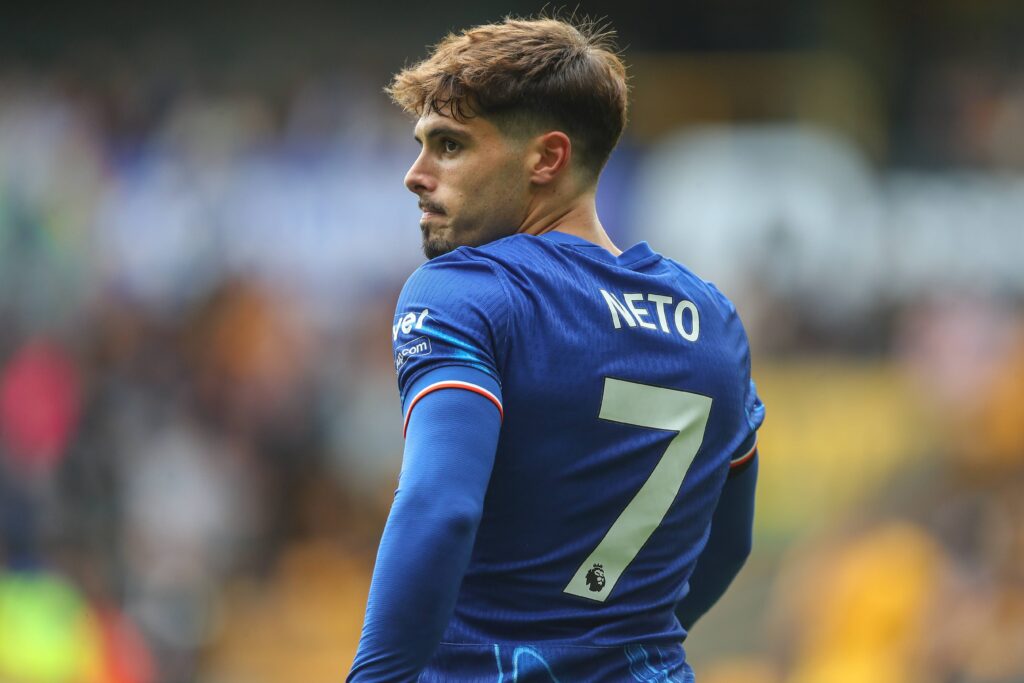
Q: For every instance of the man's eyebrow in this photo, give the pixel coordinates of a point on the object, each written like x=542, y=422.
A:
x=439, y=131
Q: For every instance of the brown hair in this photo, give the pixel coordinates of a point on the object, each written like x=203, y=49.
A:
x=526, y=74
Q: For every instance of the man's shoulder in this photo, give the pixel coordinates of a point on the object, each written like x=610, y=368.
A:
x=506, y=252
x=491, y=253
x=463, y=282
x=490, y=265
x=707, y=287
x=457, y=266
x=453, y=311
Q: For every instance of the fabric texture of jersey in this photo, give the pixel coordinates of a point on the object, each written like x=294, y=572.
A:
x=625, y=392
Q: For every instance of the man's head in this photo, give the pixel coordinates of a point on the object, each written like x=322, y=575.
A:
x=511, y=115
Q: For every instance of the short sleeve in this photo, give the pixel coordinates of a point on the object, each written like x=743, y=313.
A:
x=754, y=408
x=752, y=415
x=452, y=313
x=754, y=411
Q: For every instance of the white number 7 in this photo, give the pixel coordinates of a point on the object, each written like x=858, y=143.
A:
x=657, y=408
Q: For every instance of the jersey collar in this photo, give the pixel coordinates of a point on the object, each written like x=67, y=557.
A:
x=640, y=251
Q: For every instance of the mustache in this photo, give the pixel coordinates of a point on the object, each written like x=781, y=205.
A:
x=431, y=207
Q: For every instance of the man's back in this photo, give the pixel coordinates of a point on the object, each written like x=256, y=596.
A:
x=625, y=389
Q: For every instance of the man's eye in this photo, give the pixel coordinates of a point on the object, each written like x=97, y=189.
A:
x=450, y=146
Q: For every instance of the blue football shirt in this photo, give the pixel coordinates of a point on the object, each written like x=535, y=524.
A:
x=625, y=392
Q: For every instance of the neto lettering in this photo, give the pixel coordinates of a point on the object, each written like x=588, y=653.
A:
x=634, y=313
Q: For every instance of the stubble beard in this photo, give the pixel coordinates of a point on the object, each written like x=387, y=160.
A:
x=435, y=246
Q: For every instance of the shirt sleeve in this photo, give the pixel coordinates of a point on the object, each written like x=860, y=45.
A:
x=729, y=543
x=452, y=313
x=428, y=538
x=754, y=411
x=748, y=420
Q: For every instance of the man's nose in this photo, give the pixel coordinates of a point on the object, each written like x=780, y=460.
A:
x=419, y=179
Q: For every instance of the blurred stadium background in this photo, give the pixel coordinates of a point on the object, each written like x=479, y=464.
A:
x=203, y=230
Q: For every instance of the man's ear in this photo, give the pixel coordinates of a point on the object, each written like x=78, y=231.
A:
x=549, y=156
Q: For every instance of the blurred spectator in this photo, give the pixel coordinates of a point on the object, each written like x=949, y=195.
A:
x=39, y=406
x=861, y=608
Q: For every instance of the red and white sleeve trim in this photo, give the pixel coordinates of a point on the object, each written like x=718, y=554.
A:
x=746, y=457
x=450, y=384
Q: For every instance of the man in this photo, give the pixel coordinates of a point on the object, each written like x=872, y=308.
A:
x=578, y=477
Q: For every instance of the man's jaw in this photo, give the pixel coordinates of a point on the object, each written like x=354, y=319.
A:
x=436, y=246
x=435, y=231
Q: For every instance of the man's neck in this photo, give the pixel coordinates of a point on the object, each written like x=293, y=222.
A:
x=578, y=218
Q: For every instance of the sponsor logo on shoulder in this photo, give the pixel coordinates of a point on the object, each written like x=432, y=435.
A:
x=406, y=323
x=417, y=347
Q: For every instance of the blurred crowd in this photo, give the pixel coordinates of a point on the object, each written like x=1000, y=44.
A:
x=199, y=428
x=908, y=567
x=196, y=417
